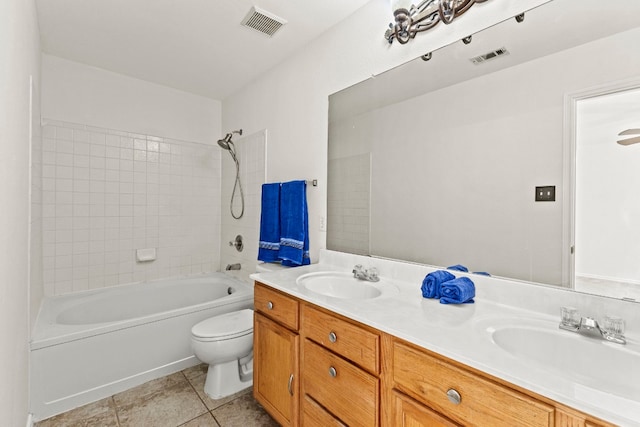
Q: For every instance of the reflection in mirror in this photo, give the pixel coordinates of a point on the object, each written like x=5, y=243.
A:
x=606, y=194
x=437, y=162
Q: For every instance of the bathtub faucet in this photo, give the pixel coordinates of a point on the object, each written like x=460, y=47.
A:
x=235, y=266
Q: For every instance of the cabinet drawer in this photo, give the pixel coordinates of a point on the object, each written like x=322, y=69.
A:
x=276, y=305
x=348, y=392
x=481, y=403
x=314, y=415
x=351, y=341
x=409, y=413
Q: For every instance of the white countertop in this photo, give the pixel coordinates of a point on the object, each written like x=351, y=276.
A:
x=459, y=332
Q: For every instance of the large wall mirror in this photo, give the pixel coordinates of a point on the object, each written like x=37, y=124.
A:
x=438, y=161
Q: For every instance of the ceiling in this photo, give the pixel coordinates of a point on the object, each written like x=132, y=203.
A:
x=196, y=46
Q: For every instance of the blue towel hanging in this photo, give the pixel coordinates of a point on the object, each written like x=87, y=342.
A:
x=269, y=244
x=294, y=224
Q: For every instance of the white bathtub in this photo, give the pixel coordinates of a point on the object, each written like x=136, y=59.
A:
x=91, y=345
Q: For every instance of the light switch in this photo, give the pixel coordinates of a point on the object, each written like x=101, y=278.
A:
x=546, y=193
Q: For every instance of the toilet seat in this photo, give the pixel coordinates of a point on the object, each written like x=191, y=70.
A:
x=225, y=326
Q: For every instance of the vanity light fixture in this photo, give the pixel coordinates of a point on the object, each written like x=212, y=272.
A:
x=411, y=19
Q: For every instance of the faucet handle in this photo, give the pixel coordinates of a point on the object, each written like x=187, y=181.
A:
x=570, y=317
x=372, y=273
x=613, y=325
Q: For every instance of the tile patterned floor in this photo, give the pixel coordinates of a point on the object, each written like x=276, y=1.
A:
x=177, y=400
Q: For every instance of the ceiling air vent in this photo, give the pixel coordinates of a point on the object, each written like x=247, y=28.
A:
x=263, y=21
x=491, y=55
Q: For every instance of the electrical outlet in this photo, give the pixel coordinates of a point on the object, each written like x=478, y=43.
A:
x=323, y=224
x=546, y=194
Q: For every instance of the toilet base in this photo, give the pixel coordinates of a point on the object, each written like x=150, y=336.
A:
x=228, y=378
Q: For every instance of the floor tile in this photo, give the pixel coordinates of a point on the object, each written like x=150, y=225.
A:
x=195, y=371
x=168, y=401
x=205, y=420
x=243, y=411
x=198, y=384
x=98, y=414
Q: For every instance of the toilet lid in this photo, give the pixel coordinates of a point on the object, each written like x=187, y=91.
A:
x=225, y=325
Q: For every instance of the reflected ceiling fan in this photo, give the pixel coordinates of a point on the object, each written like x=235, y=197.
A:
x=629, y=141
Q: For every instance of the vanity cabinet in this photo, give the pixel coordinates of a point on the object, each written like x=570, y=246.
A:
x=316, y=368
x=431, y=390
x=340, y=367
x=409, y=413
x=463, y=396
x=276, y=349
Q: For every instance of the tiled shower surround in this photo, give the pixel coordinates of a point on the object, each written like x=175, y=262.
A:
x=106, y=193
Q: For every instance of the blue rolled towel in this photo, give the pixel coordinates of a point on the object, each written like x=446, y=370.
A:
x=458, y=267
x=432, y=281
x=457, y=291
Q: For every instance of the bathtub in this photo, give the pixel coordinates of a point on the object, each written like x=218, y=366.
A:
x=91, y=345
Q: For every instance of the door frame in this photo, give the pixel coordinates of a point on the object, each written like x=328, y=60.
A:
x=569, y=168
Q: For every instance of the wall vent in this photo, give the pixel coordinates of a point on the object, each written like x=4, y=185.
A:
x=490, y=55
x=263, y=21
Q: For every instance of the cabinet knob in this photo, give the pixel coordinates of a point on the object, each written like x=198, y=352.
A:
x=332, y=336
x=333, y=372
x=453, y=396
x=270, y=305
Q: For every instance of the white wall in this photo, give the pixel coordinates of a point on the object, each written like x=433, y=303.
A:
x=291, y=100
x=19, y=59
x=77, y=93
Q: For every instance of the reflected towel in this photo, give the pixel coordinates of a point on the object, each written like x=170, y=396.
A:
x=482, y=273
x=269, y=244
x=458, y=267
x=457, y=291
x=294, y=224
x=432, y=281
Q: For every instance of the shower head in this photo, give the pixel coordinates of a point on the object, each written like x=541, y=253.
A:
x=225, y=143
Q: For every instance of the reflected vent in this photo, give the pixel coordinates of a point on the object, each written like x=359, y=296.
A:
x=263, y=21
x=488, y=56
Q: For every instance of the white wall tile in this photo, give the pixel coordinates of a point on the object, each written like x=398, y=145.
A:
x=104, y=193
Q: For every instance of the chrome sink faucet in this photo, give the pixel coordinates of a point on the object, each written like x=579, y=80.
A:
x=369, y=274
x=611, y=330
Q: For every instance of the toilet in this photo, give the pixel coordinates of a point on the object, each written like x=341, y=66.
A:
x=225, y=343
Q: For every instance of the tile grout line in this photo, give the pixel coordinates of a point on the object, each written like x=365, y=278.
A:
x=201, y=400
x=115, y=408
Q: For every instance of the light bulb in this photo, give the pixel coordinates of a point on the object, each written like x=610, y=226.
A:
x=400, y=4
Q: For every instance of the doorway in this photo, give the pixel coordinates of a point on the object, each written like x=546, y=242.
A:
x=606, y=193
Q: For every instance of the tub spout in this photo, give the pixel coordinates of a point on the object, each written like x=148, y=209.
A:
x=235, y=266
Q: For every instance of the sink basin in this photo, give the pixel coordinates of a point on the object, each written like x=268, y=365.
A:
x=595, y=364
x=340, y=285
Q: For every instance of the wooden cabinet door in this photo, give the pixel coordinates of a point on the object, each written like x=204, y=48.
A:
x=275, y=370
x=348, y=392
x=408, y=413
